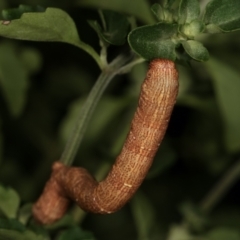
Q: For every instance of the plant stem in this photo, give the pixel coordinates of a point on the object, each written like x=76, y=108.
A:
x=90, y=50
x=217, y=193
x=129, y=66
x=87, y=110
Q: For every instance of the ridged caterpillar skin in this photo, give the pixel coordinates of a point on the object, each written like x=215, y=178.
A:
x=157, y=98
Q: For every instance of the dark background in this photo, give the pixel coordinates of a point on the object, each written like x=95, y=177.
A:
x=202, y=142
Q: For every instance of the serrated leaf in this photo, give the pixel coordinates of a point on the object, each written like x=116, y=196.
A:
x=189, y=10
x=9, y=202
x=224, y=14
x=154, y=41
x=227, y=84
x=196, y=50
x=14, y=84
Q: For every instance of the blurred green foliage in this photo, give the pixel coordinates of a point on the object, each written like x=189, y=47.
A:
x=42, y=88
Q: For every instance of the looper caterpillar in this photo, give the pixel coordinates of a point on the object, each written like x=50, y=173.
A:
x=157, y=98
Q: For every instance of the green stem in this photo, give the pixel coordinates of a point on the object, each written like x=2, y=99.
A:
x=217, y=193
x=129, y=66
x=87, y=110
x=87, y=48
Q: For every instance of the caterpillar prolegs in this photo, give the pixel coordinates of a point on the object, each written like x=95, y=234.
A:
x=157, y=98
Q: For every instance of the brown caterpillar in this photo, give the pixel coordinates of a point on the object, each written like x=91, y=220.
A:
x=157, y=98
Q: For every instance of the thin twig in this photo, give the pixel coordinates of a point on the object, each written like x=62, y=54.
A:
x=87, y=110
x=218, y=192
x=130, y=65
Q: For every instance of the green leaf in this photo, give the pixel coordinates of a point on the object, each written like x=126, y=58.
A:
x=158, y=11
x=97, y=27
x=25, y=213
x=137, y=8
x=196, y=50
x=224, y=14
x=189, y=10
x=162, y=14
x=6, y=234
x=13, y=230
x=115, y=27
x=169, y=3
x=13, y=83
x=154, y=41
x=53, y=25
x=227, y=84
x=76, y=233
x=223, y=234
x=192, y=29
x=30, y=235
x=14, y=13
x=9, y=202
x=65, y=222
x=11, y=224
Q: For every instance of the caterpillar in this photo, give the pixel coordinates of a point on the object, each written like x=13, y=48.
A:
x=157, y=98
